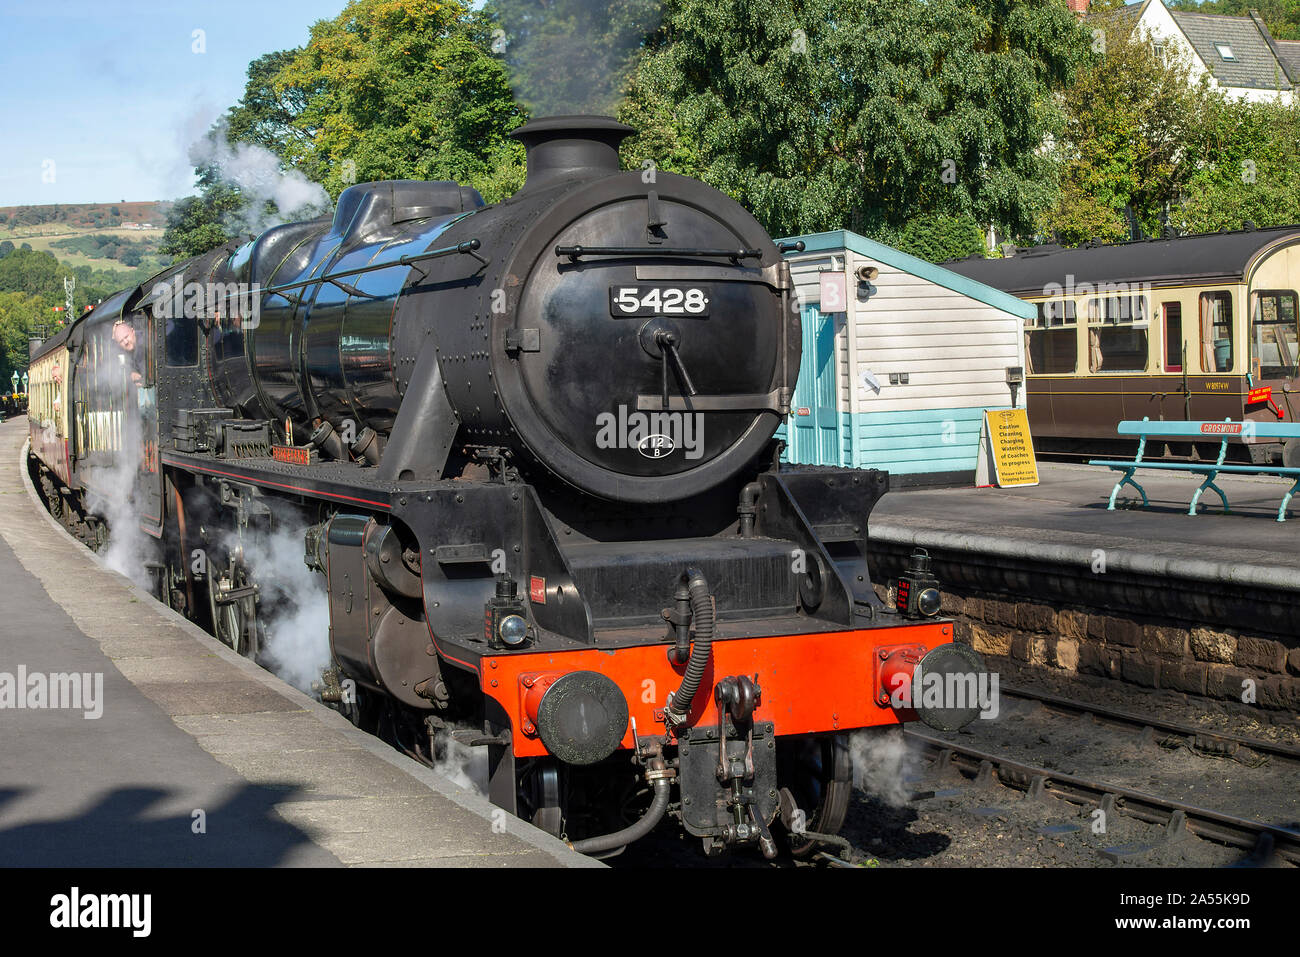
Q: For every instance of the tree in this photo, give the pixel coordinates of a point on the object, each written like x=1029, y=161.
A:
x=196, y=224
x=1246, y=170
x=572, y=56
x=862, y=113
x=265, y=114
x=391, y=89
x=1131, y=117
x=20, y=316
x=6, y=247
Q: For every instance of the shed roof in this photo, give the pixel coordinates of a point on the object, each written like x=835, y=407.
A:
x=838, y=239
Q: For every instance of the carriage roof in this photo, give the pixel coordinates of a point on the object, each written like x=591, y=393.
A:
x=1209, y=257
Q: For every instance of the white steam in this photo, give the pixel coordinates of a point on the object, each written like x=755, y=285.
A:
x=112, y=491
x=259, y=175
x=294, y=607
x=882, y=762
x=464, y=766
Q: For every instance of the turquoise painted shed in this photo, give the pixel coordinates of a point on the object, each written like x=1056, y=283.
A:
x=898, y=375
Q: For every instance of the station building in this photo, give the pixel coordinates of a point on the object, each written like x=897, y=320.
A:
x=901, y=358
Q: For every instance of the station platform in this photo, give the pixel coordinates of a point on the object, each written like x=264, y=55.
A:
x=1064, y=518
x=197, y=757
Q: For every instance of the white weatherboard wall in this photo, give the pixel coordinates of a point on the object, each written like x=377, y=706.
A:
x=954, y=338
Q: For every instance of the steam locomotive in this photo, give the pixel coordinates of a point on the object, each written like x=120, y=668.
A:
x=528, y=448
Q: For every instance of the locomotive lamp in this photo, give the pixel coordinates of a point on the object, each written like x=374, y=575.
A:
x=918, y=590
x=504, y=618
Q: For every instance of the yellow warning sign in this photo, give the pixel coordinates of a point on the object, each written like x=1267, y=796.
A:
x=1010, y=449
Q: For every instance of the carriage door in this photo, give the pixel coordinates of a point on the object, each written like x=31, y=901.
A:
x=1174, y=362
x=815, y=418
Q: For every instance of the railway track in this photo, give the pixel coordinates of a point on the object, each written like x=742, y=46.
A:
x=1179, y=818
x=1162, y=731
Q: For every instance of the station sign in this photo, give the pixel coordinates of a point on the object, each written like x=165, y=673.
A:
x=1006, y=450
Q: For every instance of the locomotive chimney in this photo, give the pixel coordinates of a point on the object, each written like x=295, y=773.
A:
x=570, y=147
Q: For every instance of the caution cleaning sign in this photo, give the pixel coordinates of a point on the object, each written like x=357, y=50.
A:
x=1006, y=450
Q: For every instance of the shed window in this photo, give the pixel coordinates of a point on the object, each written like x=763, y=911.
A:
x=1117, y=334
x=1216, y=331
x=1273, y=333
x=1051, y=338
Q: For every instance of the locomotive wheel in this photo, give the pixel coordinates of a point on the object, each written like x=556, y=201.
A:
x=817, y=773
x=548, y=815
x=234, y=617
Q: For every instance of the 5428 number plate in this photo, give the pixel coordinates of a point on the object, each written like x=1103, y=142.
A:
x=659, y=300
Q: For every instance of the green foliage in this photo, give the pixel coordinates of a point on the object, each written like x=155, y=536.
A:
x=20, y=315
x=31, y=285
x=200, y=223
x=393, y=89
x=864, y=114
x=572, y=56
x=1130, y=117
x=1247, y=171
x=102, y=246
x=937, y=238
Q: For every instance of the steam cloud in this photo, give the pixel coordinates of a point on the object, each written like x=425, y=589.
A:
x=572, y=56
x=257, y=172
x=881, y=763
x=294, y=608
x=464, y=766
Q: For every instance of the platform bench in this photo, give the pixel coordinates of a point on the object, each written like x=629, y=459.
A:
x=1227, y=430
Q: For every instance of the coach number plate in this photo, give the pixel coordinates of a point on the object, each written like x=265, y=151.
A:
x=659, y=300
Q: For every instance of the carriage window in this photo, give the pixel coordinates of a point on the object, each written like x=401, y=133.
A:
x=1216, y=331
x=1173, y=336
x=1051, y=343
x=1273, y=334
x=1117, y=334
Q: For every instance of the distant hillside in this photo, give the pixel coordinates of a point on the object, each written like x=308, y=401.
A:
x=79, y=217
x=120, y=239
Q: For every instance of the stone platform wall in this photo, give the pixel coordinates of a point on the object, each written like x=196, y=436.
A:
x=1179, y=656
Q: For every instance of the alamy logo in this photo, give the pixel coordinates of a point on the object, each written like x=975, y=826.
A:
x=36, y=691
x=240, y=303
x=935, y=690
x=655, y=435
x=75, y=909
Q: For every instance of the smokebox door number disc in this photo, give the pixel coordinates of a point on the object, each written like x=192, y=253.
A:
x=659, y=300
x=656, y=446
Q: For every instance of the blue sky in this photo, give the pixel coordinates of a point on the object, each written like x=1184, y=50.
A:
x=112, y=93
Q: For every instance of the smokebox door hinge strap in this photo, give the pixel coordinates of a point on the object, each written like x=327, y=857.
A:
x=654, y=219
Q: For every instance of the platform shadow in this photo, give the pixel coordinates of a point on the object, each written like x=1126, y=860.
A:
x=244, y=831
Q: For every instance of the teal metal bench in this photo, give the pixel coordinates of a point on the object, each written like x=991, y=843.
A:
x=1226, y=430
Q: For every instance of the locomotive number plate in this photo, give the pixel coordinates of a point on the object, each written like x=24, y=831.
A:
x=659, y=300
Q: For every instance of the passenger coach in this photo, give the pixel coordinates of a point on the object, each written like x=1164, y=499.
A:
x=1197, y=327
